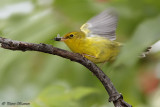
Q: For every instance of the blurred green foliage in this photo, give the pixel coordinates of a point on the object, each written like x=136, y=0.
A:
x=24, y=76
x=62, y=96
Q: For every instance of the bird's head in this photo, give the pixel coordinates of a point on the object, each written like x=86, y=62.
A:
x=72, y=36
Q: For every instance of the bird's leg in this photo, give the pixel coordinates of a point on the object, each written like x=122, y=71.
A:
x=88, y=55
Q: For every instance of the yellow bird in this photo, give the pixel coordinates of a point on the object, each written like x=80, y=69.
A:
x=95, y=41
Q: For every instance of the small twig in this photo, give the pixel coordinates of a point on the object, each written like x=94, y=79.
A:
x=114, y=96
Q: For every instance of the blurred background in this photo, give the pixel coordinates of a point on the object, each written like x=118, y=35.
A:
x=45, y=80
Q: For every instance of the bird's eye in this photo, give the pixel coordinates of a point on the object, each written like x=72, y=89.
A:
x=71, y=35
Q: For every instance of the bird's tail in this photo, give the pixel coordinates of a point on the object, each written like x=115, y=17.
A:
x=145, y=52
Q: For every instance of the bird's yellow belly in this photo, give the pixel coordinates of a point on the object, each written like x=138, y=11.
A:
x=101, y=53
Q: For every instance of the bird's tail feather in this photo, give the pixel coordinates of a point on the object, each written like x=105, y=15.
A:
x=145, y=52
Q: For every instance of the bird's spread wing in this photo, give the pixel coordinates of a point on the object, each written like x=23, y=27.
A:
x=104, y=25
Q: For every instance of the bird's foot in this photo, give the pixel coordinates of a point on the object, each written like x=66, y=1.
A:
x=88, y=55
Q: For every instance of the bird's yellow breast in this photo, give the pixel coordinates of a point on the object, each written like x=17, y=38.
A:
x=96, y=49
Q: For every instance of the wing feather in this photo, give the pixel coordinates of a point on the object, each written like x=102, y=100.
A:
x=104, y=24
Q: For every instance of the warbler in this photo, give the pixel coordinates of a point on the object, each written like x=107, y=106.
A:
x=96, y=38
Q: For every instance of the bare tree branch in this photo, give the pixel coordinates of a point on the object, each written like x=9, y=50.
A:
x=114, y=96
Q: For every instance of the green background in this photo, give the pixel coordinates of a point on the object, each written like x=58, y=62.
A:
x=45, y=80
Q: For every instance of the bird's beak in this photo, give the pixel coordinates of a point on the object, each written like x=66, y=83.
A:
x=60, y=39
x=63, y=39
